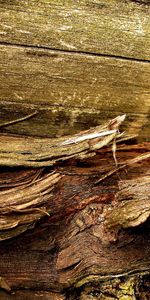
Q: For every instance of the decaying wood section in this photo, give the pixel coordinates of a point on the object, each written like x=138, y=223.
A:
x=94, y=226
x=76, y=63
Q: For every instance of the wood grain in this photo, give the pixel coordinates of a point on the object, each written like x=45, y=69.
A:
x=115, y=27
x=40, y=152
x=75, y=63
x=70, y=91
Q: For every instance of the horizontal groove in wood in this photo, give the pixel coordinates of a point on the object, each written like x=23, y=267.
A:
x=115, y=27
x=71, y=92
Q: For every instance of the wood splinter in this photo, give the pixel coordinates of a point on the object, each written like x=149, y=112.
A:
x=38, y=152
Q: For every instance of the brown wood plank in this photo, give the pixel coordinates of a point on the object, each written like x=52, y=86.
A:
x=70, y=91
x=114, y=27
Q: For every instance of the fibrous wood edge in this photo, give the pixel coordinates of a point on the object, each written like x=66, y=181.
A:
x=39, y=152
x=119, y=28
x=21, y=207
x=74, y=246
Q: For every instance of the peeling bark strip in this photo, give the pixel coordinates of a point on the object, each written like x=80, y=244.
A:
x=27, y=151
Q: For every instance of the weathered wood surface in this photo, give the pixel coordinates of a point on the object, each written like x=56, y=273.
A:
x=71, y=91
x=76, y=63
x=119, y=28
x=76, y=245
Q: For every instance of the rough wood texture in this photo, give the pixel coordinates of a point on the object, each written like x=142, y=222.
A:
x=31, y=295
x=22, y=205
x=31, y=198
x=71, y=91
x=76, y=63
x=39, y=152
x=80, y=243
x=114, y=27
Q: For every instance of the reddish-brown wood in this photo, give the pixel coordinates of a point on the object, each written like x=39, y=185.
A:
x=83, y=240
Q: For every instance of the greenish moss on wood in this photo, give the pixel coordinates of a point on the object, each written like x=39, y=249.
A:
x=125, y=288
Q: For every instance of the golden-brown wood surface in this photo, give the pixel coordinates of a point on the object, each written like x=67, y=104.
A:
x=38, y=152
x=75, y=63
x=114, y=27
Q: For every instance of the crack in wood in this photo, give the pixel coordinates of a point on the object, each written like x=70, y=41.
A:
x=82, y=53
